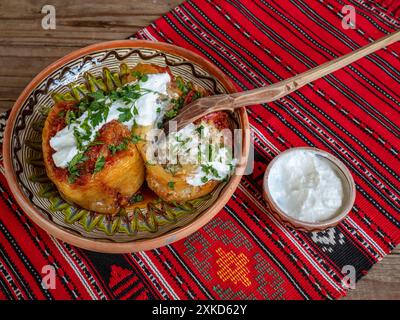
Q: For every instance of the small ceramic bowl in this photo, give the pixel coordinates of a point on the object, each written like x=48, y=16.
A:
x=349, y=192
x=150, y=224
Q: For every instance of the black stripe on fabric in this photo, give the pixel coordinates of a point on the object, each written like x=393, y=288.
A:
x=108, y=293
x=133, y=286
x=363, y=33
x=350, y=41
x=268, y=253
x=158, y=254
x=133, y=290
x=365, y=180
x=366, y=12
x=176, y=255
x=93, y=282
x=347, y=41
x=384, y=11
x=103, y=263
x=149, y=274
x=377, y=230
x=316, y=285
x=123, y=283
x=6, y=290
x=363, y=5
x=26, y=261
x=227, y=72
x=328, y=44
x=19, y=277
x=318, y=45
x=254, y=184
x=298, y=54
x=279, y=78
x=136, y=293
x=12, y=284
x=18, y=215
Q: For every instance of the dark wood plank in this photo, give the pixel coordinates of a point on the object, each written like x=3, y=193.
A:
x=381, y=282
x=25, y=49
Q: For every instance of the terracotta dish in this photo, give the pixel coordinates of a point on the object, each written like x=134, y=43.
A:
x=147, y=223
x=349, y=191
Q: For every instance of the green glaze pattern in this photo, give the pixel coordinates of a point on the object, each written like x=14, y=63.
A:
x=157, y=212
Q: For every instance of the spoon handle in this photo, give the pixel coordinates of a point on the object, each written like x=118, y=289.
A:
x=282, y=88
x=206, y=105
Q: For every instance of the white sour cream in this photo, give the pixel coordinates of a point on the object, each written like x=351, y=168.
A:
x=189, y=147
x=223, y=165
x=149, y=107
x=305, y=186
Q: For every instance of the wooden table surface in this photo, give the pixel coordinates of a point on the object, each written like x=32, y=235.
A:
x=26, y=48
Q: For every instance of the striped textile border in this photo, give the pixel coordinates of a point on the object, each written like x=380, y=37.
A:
x=245, y=253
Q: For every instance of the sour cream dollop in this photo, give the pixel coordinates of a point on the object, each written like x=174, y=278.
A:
x=305, y=186
x=200, y=150
x=149, y=106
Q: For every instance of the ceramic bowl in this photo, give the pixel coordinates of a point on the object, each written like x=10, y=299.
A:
x=154, y=223
x=349, y=192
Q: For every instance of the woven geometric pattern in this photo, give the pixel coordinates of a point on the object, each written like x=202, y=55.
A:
x=244, y=252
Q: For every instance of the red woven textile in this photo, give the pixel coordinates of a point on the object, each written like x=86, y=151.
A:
x=244, y=253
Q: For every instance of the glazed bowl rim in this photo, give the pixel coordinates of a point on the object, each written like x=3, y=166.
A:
x=312, y=226
x=100, y=245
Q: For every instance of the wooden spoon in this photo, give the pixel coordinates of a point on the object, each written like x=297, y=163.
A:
x=206, y=105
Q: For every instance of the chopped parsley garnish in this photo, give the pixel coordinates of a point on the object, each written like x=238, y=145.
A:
x=197, y=95
x=70, y=117
x=135, y=138
x=208, y=169
x=178, y=103
x=72, y=166
x=171, y=185
x=95, y=143
x=96, y=105
x=97, y=95
x=119, y=147
x=125, y=115
x=124, y=144
x=171, y=113
x=136, y=198
x=144, y=78
x=140, y=76
x=200, y=129
x=204, y=179
x=184, y=88
x=99, y=165
x=210, y=152
x=78, y=138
